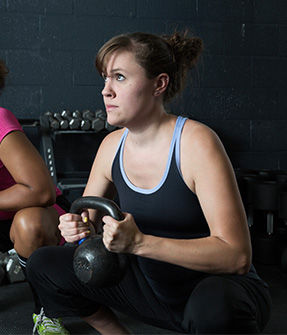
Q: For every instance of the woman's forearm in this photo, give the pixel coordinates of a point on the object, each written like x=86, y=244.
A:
x=21, y=196
x=209, y=254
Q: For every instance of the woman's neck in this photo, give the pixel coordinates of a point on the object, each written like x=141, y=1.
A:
x=151, y=131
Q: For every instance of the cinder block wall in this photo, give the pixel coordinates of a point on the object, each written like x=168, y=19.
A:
x=239, y=89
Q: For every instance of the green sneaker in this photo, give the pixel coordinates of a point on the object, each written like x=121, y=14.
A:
x=46, y=326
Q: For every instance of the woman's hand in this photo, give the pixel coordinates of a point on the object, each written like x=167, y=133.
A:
x=74, y=227
x=122, y=236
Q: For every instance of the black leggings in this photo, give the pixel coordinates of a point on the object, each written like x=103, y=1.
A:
x=217, y=304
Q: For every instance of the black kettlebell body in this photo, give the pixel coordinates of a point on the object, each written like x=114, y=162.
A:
x=93, y=264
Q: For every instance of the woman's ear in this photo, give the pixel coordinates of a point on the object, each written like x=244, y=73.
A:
x=161, y=83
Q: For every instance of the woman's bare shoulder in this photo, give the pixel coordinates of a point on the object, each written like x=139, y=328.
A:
x=197, y=133
x=201, y=145
x=111, y=141
x=108, y=147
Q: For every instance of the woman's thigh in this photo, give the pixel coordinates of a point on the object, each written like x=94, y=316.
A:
x=227, y=305
x=50, y=269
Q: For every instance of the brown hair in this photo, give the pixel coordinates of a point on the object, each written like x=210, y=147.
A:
x=3, y=72
x=175, y=55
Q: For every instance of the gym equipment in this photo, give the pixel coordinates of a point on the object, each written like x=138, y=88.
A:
x=101, y=114
x=74, y=123
x=29, y=123
x=63, y=123
x=265, y=248
x=11, y=270
x=54, y=124
x=282, y=212
x=88, y=114
x=77, y=114
x=2, y=275
x=87, y=120
x=93, y=264
x=283, y=215
x=101, y=122
x=265, y=197
x=96, y=119
x=98, y=123
x=109, y=127
x=85, y=125
x=89, y=117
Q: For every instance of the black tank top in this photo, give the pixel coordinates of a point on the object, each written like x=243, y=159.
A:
x=170, y=210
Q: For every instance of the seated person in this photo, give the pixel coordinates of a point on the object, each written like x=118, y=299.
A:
x=29, y=213
x=184, y=230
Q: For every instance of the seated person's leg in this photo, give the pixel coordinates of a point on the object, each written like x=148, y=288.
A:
x=33, y=228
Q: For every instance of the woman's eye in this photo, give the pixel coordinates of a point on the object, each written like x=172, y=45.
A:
x=105, y=77
x=120, y=77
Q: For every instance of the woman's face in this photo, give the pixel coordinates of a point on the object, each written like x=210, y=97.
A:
x=128, y=93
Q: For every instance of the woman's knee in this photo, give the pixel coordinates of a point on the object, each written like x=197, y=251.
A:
x=219, y=306
x=35, y=262
x=52, y=265
x=42, y=261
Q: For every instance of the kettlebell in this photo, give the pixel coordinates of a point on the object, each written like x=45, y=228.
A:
x=93, y=263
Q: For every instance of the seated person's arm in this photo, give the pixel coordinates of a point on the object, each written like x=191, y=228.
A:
x=34, y=185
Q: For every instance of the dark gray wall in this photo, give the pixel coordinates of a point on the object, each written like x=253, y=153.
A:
x=240, y=88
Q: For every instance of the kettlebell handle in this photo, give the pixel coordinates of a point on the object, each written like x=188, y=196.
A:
x=107, y=206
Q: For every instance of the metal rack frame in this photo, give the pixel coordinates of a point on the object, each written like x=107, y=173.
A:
x=48, y=152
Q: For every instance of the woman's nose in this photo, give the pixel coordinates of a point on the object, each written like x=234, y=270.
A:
x=107, y=90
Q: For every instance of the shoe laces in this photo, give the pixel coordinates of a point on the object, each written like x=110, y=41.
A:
x=48, y=324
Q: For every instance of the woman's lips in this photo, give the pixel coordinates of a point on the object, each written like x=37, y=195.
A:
x=110, y=108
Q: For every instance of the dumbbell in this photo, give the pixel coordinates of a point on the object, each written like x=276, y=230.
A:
x=93, y=263
x=63, y=123
x=84, y=124
x=77, y=114
x=54, y=124
x=109, y=127
x=103, y=117
x=97, y=124
x=88, y=114
x=74, y=123
x=89, y=117
x=12, y=268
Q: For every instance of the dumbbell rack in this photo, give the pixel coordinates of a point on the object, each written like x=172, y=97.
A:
x=48, y=150
x=49, y=136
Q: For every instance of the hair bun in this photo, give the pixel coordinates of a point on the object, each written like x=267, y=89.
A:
x=186, y=50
